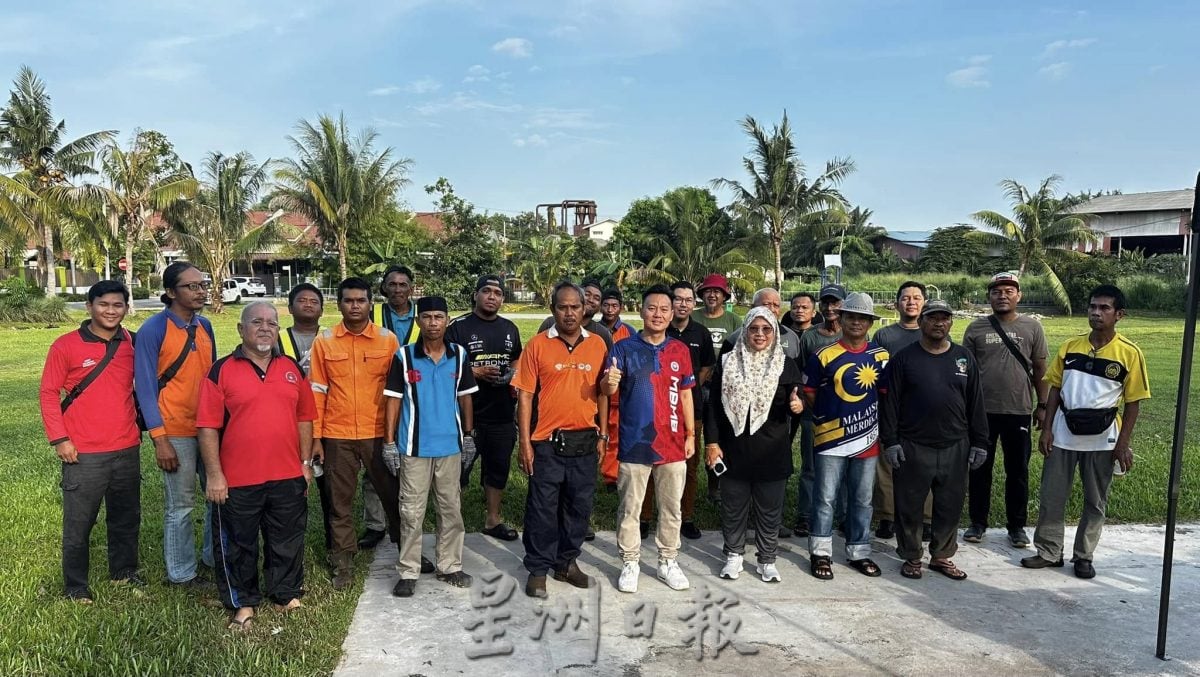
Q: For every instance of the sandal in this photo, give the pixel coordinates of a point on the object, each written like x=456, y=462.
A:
x=241, y=625
x=501, y=531
x=946, y=568
x=292, y=605
x=822, y=567
x=911, y=569
x=865, y=566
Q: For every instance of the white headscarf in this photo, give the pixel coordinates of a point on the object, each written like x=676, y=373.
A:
x=748, y=378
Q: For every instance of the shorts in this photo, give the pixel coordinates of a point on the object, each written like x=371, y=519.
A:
x=495, y=443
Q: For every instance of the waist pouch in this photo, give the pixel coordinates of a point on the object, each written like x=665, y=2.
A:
x=575, y=443
x=1089, y=421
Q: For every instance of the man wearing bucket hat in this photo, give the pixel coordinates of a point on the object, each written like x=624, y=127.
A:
x=1011, y=350
x=842, y=383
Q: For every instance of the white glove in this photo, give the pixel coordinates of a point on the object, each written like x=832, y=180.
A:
x=391, y=457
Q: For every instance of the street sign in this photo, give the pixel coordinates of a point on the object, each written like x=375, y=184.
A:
x=123, y=264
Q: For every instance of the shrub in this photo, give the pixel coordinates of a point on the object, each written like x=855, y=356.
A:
x=21, y=301
x=140, y=293
x=74, y=298
x=1147, y=292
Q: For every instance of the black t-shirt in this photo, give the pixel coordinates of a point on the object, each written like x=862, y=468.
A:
x=699, y=343
x=934, y=400
x=489, y=343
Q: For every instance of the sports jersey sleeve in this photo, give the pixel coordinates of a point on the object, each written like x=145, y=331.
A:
x=685, y=357
x=1054, y=372
x=466, y=377
x=395, y=379
x=54, y=377
x=525, y=379
x=319, y=383
x=211, y=411
x=1137, y=383
x=145, y=372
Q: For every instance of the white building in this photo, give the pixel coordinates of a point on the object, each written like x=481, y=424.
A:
x=601, y=231
x=1156, y=223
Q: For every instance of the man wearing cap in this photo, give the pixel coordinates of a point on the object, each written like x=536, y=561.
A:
x=592, y=294
x=816, y=337
x=610, y=317
x=493, y=345
x=1011, y=351
x=910, y=300
x=714, y=291
x=428, y=424
x=934, y=426
x=842, y=384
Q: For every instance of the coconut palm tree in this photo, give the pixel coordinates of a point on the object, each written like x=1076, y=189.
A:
x=145, y=178
x=35, y=145
x=337, y=182
x=542, y=261
x=214, y=230
x=1044, y=229
x=779, y=194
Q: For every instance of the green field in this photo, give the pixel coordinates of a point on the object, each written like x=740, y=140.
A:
x=158, y=630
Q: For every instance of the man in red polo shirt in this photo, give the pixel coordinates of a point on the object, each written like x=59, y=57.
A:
x=255, y=428
x=94, y=432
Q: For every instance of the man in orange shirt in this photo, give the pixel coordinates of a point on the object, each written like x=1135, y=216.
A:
x=562, y=367
x=350, y=363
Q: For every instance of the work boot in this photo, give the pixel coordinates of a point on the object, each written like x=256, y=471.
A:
x=535, y=586
x=1039, y=562
x=573, y=575
x=370, y=539
x=343, y=570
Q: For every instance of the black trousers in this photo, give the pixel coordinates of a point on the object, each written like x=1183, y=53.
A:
x=557, y=508
x=944, y=471
x=1012, y=431
x=324, y=491
x=115, y=479
x=494, y=442
x=766, y=498
x=280, y=510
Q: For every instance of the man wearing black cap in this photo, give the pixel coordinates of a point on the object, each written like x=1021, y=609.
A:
x=592, y=293
x=493, y=344
x=1011, y=350
x=428, y=424
x=933, y=427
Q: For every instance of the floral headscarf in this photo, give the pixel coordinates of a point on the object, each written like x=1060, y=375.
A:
x=749, y=378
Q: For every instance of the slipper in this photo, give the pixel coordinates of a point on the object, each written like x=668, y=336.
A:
x=865, y=566
x=947, y=569
x=911, y=569
x=821, y=567
x=292, y=605
x=501, y=531
x=244, y=625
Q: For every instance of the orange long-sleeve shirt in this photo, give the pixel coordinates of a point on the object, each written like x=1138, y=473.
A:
x=348, y=373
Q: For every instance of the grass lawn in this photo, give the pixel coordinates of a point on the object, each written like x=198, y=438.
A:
x=157, y=630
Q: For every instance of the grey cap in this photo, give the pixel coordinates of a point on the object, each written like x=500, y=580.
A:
x=936, y=306
x=860, y=303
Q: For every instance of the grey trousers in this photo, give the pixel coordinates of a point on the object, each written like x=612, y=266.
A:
x=767, y=499
x=924, y=469
x=1058, y=475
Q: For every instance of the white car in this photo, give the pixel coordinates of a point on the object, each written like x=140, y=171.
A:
x=229, y=291
x=249, y=286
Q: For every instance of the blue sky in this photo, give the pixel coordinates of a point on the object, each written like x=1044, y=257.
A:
x=524, y=102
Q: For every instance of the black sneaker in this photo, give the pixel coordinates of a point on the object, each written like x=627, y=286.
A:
x=427, y=566
x=645, y=528
x=194, y=584
x=974, y=534
x=83, y=597
x=405, y=587
x=690, y=531
x=590, y=535
x=886, y=529
x=458, y=579
x=133, y=580
x=370, y=539
x=1018, y=538
x=784, y=532
x=1038, y=562
x=1084, y=568
x=927, y=533
x=801, y=529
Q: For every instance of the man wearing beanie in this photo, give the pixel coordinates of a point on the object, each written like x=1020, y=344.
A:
x=428, y=423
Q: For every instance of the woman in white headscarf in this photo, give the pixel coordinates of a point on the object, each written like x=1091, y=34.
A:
x=747, y=427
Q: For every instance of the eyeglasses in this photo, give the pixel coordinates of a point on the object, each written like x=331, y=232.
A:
x=760, y=330
x=684, y=300
x=194, y=286
x=260, y=322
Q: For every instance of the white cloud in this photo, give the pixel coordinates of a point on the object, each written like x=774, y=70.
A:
x=531, y=140
x=1057, y=45
x=564, y=118
x=423, y=86
x=974, y=74
x=518, y=48
x=462, y=102
x=386, y=90
x=535, y=69
x=1055, y=71
x=477, y=73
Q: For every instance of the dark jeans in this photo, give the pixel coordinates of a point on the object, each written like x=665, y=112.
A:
x=808, y=470
x=494, y=442
x=557, y=508
x=1012, y=431
x=279, y=509
x=944, y=471
x=324, y=491
x=343, y=460
x=766, y=498
x=115, y=479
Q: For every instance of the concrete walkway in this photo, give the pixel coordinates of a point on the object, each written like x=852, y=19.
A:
x=1002, y=620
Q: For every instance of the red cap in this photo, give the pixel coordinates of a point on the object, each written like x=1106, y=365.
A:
x=714, y=281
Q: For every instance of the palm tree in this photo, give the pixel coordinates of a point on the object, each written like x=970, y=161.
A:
x=542, y=261
x=214, y=230
x=141, y=180
x=336, y=182
x=778, y=194
x=1044, y=228
x=34, y=145
x=832, y=231
x=694, y=254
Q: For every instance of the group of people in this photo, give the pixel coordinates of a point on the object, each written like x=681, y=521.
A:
x=903, y=424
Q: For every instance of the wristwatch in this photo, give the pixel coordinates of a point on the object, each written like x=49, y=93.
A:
x=308, y=462
x=604, y=437
x=1041, y=405
x=471, y=434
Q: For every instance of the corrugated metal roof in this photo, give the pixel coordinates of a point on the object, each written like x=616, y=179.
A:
x=910, y=236
x=1162, y=200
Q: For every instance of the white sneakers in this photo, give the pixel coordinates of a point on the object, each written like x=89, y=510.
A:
x=733, y=566
x=629, y=577
x=769, y=573
x=670, y=573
